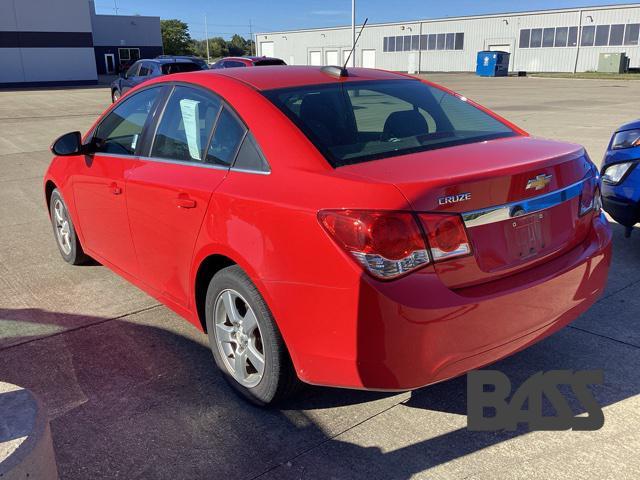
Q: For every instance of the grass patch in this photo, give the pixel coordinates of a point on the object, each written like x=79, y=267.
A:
x=590, y=75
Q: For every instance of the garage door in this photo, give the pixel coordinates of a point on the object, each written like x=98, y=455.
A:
x=332, y=57
x=266, y=48
x=369, y=58
x=315, y=58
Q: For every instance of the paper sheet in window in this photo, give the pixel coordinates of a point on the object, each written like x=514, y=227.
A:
x=191, y=121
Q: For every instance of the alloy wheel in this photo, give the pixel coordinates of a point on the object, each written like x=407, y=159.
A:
x=63, y=227
x=238, y=338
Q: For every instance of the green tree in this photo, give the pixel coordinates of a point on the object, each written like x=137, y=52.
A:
x=238, y=46
x=175, y=37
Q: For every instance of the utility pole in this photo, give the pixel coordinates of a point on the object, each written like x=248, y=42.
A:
x=251, y=39
x=206, y=34
x=115, y=5
x=353, y=32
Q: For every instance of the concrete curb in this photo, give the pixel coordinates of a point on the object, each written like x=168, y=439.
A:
x=26, y=448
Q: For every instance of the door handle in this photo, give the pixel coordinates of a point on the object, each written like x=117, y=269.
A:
x=183, y=201
x=115, y=189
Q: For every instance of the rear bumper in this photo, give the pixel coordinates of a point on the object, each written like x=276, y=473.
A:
x=415, y=331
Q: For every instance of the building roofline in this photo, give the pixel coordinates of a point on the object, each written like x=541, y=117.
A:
x=465, y=17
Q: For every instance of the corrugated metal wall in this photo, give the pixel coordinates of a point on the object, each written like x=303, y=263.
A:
x=483, y=32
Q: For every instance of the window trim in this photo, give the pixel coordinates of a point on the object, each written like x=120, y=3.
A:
x=149, y=132
x=150, y=121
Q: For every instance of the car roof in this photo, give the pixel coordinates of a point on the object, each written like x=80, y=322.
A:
x=163, y=61
x=280, y=76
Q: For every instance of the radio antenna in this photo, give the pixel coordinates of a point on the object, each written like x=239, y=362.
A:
x=344, y=67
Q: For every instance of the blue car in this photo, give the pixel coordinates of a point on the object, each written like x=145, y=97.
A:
x=621, y=177
x=145, y=69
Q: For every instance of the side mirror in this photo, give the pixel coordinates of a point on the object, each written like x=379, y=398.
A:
x=68, y=144
x=123, y=74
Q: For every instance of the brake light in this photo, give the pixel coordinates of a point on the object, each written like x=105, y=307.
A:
x=446, y=236
x=588, y=196
x=386, y=244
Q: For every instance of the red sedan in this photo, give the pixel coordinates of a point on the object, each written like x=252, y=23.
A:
x=356, y=228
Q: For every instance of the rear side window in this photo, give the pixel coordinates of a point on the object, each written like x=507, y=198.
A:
x=183, y=131
x=119, y=132
x=250, y=157
x=226, y=139
x=169, y=68
x=352, y=122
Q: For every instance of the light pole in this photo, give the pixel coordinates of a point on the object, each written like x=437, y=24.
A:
x=353, y=32
x=206, y=34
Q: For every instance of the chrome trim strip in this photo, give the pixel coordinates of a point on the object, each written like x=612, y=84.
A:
x=525, y=207
x=183, y=162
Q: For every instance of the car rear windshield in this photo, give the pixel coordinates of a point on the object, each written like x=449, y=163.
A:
x=353, y=122
x=169, y=68
x=272, y=61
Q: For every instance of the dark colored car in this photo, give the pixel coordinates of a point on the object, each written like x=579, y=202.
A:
x=621, y=177
x=197, y=60
x=145, y=69
x=233, y=62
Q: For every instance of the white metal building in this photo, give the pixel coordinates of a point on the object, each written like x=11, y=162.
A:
x=563, y=40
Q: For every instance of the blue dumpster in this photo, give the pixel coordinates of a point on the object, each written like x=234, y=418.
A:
x=493, y=64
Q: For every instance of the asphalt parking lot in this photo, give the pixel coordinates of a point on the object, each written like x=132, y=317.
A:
x=132, y=391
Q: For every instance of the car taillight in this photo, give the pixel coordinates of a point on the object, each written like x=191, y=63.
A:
x=386, y=244
x=390, y=244
x=588, y=196
x=446, y=236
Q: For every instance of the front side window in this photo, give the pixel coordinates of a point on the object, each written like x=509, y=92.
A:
x=120, y=131
x=354, y=122
x=187, y=121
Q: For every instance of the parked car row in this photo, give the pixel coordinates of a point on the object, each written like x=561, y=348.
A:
x=146, y=69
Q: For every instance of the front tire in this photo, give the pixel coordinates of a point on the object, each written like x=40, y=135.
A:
x=115, y=96
x=245, y=341
x=64, y=231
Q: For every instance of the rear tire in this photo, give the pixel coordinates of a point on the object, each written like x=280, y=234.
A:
x=245, y=341
x=64, y=231
x=115, y=96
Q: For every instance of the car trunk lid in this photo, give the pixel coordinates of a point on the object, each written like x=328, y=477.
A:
x=519, y=198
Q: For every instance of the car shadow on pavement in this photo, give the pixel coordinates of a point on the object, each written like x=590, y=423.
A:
x=141, y=399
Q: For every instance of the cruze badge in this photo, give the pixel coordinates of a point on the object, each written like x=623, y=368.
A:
x=460, y=197
x=539, y=182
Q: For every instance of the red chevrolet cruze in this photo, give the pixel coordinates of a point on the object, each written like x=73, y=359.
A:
x=354, y=228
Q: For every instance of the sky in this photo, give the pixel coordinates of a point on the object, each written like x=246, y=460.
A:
x=226, y=17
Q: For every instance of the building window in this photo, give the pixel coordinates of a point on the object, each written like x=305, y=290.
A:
x=525, y=36
x=602, y=35
x=536, y=38
x=573, y=36
x=128, y=55
x=439, y=41
x=631, y=34
x=415, y=42
x=588, y=36
x=407, y=43
x=548, y=35
x=392, y=44
x=616, y=35
x=459, y=41
x=432, y=41
x=561, y=37
x=424, y=42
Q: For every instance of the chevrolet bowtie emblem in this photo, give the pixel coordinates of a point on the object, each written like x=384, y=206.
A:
x=539, y=182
